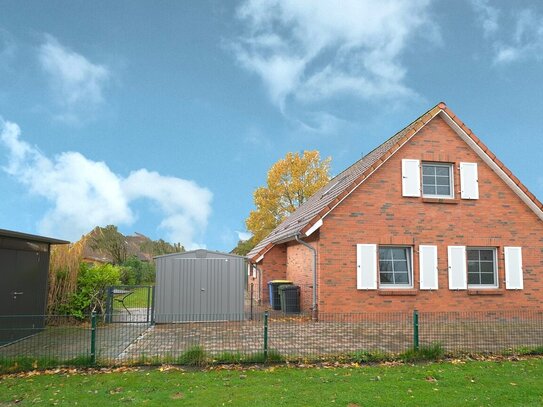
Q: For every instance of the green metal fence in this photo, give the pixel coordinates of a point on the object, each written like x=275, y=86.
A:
x=262, y=336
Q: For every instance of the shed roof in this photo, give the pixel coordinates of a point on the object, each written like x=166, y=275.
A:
x=27, y=236
x=199, y=253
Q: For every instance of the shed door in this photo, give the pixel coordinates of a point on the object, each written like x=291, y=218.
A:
x=23, y=279
x=23, y=282
x=221, y=290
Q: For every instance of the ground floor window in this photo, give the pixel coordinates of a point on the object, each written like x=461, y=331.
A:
x=395, y=266
x=482, y=268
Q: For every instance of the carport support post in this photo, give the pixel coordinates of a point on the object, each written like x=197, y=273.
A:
x=416, y=330
x=93, y=338
x=266, y=336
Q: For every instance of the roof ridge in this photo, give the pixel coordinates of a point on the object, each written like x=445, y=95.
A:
x=390, y=138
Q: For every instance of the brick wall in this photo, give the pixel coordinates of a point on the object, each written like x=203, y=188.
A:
x=377, y=213
x=274, y=267
x=300, y=269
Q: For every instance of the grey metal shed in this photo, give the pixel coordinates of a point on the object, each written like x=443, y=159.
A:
x=199, y=285
x=24, y=267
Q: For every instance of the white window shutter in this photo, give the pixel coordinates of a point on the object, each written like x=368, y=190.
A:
x=410, y=177
x=457, y=268
x=469, y=181
x=428, y=267
x=513, y=268
x=366, y=266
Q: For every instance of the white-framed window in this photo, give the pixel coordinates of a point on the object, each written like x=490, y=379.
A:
x=482, y=267
x=437, y=180
x=395, y=266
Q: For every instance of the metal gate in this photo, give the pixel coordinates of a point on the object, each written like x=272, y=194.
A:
x=129, y=304
x=199, y=289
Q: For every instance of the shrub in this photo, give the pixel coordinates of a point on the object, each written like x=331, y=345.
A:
x=229, y=357
x=90, y=294
x=524, y=351
x=193, y=356
x=433, y=351
x=369, y=357
x=136, y=272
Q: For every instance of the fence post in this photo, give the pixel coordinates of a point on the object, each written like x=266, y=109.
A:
x=153, y=296
x=93, y=338
x=148, y=303
x=109, y=304
x=416, y=330
x=266, y=336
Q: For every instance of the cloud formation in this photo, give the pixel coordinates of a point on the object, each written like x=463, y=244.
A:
x=243, y=235
x=314, y=50
x=77, y=83
x=487, y=16
x=7, y=48
x=514, y=37
x=85, y=193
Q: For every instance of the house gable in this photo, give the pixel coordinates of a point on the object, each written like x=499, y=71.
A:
x=310, y=216
x=377, y=214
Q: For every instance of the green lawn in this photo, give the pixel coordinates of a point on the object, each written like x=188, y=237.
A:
x=140, y=298
x=445, y=384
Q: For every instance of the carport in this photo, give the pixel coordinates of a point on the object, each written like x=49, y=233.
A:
x=199, y=285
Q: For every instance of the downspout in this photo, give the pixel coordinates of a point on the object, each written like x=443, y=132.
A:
x=259, y=276
x=314, y=310
x=254, y=267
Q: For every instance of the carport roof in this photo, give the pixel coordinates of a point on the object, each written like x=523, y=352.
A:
x=34, y=238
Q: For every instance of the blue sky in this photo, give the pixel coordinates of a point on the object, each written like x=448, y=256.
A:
x=162, y=118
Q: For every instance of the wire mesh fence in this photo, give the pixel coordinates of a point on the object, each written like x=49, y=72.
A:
x=261, y=336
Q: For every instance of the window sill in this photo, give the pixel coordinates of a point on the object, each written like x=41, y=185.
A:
x=486, y=291
x=441, y=200
x=398, y=291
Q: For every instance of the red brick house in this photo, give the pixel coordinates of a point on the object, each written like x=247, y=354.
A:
x=429, y=220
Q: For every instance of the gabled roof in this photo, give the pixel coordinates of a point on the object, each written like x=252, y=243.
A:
x=307, y=217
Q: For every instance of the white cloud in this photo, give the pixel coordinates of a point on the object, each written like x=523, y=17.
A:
x=243, y=235
x=313, y=50
x=77, y=83
x=487, y=15
x=526, y=41
x=7, y=48
x=185, y=204
x=321, y=122
x=255, y=137
x=518, y=38
x=85, y=193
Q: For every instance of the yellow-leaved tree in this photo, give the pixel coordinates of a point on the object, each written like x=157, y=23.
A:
x=290, y=182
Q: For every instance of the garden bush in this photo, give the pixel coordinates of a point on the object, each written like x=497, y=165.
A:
x=90, y=295
x=136, y=272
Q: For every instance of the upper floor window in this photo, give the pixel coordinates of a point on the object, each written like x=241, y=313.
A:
x=437, y=180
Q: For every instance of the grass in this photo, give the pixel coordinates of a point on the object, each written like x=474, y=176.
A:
x=194, y=356
x=25, y=363
x=424, y=353
x=138, y=299
x=472, y=383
